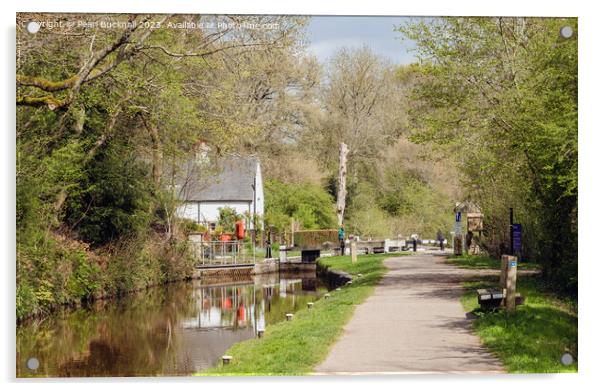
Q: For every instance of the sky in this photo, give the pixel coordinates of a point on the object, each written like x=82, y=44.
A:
x=328, y=33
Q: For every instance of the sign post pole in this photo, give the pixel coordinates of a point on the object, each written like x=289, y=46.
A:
x=458, y=245
x=511, y=273
x=511, y=231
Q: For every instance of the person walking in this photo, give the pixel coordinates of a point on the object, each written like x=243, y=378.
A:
x=268, y=244
x=342, y=238
x=440, y=239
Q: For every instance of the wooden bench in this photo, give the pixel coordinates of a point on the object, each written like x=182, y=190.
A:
x=494, y=298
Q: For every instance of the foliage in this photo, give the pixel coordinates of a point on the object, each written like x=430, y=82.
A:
x=227, y=218
x=500, y=96
x=307, y=203
x=114, y=197
x=99, y=151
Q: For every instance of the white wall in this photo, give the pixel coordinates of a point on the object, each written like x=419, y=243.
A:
x=259, y=197
x=202, y=212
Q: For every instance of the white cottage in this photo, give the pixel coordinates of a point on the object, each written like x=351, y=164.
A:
x=236, y=182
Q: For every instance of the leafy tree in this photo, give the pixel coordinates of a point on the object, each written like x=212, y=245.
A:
x=307, y=203
x=500, y=94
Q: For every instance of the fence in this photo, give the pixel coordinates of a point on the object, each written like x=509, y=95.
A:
x=218, y=253
x=318, y=238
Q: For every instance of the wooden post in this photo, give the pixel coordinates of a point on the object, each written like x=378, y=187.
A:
x=353, y=244
x=458, y=244
x=503, y=270
x=342, y=189
x=511, y=272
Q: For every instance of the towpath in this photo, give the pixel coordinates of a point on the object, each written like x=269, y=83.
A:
x=413, y=323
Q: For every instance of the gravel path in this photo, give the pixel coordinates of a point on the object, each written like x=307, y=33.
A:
x=413, y=323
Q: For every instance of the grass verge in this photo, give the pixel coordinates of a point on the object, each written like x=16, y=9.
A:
x=483, y=262
x=532, y=339
x=296, y=347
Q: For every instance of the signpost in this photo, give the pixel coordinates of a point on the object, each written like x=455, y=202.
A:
x=517, y=238
x=458, y=234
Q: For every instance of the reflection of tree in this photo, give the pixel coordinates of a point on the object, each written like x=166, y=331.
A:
x=118, y=339
x=143, y=335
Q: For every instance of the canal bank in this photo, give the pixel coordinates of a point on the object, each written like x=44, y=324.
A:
x=295, y=347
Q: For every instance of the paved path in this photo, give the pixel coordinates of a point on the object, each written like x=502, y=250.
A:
x=413, y=323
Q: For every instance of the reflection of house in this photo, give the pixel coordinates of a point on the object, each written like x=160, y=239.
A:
x=236, y=182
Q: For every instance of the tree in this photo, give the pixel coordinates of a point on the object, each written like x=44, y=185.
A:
x=106, y=116
x=500, y=94
x=359, y=98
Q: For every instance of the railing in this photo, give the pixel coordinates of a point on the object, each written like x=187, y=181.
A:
x=221, y=253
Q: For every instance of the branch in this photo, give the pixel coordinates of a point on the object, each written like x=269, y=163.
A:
x=38, y=101
x=87, y=73
x=204, y=54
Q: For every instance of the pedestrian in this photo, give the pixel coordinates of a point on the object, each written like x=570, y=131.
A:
x=268, y=244
x=440, y=239
x=342, y=238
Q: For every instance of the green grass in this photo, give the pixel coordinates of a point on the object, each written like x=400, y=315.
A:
x=532, y=339
x=484, y=262
x=296, y=347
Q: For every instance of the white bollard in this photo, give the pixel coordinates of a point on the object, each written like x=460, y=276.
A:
x=289, y=316
x=226, y=359
x=310, y=305
x=260, y=333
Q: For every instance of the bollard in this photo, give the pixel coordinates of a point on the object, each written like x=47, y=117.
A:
x=360, y=275
x=353, y=251
x=338, y=289
x=289, y=316
x=226, y=359
x=260, y=333
x=511, y=272
x=282, y=254
x=326, y=296
x=310, y=305
x=349, y=282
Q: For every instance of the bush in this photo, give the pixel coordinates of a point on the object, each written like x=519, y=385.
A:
x=311, y=205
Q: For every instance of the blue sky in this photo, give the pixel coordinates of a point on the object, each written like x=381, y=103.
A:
x=328, y=33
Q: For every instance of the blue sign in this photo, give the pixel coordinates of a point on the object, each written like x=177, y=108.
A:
x=513, y=264
x=517, y=237
x=458, y=217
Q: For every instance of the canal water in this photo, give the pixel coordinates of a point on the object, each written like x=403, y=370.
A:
x=172, y=330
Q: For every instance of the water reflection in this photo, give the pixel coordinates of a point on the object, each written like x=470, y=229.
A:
x=172, y=330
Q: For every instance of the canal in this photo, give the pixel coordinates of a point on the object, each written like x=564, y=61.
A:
x=172, y=330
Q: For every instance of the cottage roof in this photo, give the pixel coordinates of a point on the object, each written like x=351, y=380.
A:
x=231, y=179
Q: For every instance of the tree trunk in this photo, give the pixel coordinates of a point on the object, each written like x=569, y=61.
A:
x=157, y=155
x=342, y=190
